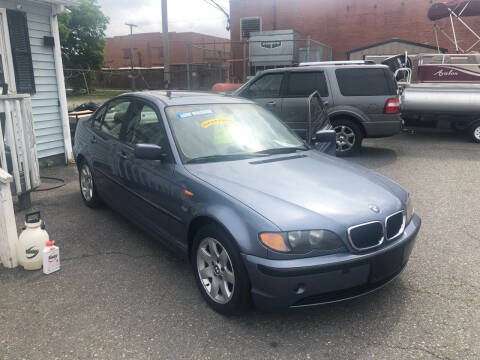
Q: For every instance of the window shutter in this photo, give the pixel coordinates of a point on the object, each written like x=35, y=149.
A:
x=21, y=52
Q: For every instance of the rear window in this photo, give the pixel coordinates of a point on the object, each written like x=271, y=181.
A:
x=366, y=82
x=303, y=84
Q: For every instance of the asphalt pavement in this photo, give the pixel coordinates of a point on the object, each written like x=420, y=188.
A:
x=120, y=294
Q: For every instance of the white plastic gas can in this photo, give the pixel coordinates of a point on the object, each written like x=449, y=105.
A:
x=51, y=258
x=31, y=242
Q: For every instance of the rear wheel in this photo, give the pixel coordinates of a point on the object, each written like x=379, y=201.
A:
x=87, y=186
x=349, y=137
x=219, y=272
x=475, y=132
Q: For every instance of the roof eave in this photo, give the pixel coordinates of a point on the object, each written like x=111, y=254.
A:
x=58, y=2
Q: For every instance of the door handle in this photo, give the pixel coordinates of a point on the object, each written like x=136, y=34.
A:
x=272, y=103
x=122, y=155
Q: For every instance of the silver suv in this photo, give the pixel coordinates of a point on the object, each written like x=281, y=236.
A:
x=361, y=100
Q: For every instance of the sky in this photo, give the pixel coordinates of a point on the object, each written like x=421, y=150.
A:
x=183, y=15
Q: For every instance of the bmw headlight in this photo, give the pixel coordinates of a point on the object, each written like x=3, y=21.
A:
x=410, y=209
x=302, y=241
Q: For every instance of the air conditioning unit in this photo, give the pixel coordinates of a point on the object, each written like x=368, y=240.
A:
x=249, y=25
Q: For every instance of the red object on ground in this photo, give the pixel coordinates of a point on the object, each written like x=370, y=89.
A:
x=49, y=243
x=440, y=10
x=225, y=87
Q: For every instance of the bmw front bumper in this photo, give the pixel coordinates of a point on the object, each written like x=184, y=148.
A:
x=280, y=284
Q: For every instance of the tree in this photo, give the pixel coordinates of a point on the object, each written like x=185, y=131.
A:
x=82, y=36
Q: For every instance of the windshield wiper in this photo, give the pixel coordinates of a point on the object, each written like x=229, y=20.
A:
x=213, y=158
x=283, y=150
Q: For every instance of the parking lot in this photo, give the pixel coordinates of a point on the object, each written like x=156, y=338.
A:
x=120, y=294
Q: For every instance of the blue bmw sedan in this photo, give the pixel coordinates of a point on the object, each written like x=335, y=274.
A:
x=261, y=215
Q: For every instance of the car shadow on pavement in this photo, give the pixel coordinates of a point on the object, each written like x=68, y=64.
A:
x=375, y=157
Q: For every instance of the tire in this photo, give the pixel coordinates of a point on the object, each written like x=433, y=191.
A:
x=475, y=132
x=88, y=190
x=349, y=137
x=223, y=267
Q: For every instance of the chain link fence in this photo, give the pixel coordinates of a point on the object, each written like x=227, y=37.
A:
x=205, y=65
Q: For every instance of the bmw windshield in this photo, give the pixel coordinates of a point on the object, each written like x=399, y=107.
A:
x=223, y=132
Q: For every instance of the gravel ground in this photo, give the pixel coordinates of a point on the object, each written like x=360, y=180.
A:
x=120, y=294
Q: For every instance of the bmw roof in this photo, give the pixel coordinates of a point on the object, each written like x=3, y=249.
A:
x=172, y=97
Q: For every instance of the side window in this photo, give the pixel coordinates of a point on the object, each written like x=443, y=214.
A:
x=268, y=86
x=303, y=84
x=115, y=116
x=97, y=119
x=146, y=127
x=366, y=82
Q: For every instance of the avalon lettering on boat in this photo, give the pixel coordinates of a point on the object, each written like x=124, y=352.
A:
x=442, y=73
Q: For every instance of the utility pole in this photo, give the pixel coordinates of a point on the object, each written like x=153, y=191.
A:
x=166, y=59
x=132, y=75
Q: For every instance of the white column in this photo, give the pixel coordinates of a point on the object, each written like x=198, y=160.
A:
x=62, y=94
x=8, y=228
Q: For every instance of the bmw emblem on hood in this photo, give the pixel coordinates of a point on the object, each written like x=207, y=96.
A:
x=374, y=208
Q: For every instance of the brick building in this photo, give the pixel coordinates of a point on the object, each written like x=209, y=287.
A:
x=345, y=24
x=148, y=49
x=207, y=58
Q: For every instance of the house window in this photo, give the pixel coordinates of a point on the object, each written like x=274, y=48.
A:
x=126, y=53
x=21, y=52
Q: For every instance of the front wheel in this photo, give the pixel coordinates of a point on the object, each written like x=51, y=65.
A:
x=475, y=132
x=219, y=271
x=349, y=137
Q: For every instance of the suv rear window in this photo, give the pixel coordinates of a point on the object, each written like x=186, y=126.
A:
x=303, y=84
x=366, y=82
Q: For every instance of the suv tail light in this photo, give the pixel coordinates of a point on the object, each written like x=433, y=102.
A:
x=392, y=106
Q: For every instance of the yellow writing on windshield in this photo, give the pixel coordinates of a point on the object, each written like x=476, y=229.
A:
x=211, y=122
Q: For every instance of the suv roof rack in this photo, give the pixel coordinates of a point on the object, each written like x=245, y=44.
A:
x=346, y=62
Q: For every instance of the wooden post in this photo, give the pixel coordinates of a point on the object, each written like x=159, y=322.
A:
x=8, y=228
x=85, y=82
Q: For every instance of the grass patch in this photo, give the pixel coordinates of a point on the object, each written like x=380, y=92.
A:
x=97, y=93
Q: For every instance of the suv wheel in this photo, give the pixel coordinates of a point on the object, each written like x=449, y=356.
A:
x=219, y=271
x=349, y=137
x=475, y=131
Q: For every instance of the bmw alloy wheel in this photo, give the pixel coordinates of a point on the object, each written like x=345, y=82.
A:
x=345, y=138
x=86, y=182
x=476, y=133
x=215, y=270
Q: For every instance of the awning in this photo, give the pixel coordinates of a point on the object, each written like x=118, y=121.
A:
x=459, y=7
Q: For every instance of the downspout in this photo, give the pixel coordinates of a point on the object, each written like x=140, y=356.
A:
x=62, y=94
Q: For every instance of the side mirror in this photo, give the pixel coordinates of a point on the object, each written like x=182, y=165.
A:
x=149, y=152
x=326, y=141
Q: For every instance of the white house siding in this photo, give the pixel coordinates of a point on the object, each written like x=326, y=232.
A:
x=45, y=103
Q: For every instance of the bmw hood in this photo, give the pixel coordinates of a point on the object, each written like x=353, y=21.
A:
x=306, y=190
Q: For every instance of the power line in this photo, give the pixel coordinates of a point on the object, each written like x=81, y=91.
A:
x=217, y=6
